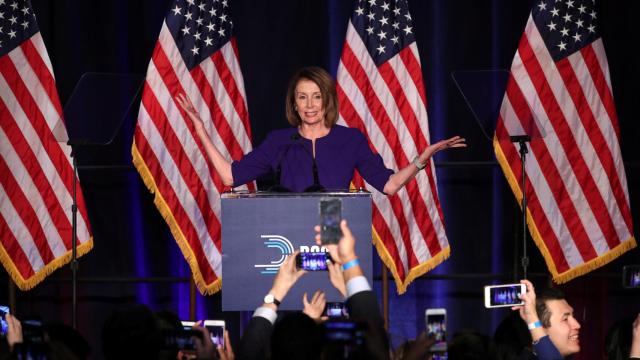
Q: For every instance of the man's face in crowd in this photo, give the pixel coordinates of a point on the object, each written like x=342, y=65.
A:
x=564, y=328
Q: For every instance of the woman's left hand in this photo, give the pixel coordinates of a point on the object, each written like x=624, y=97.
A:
x=454, y=142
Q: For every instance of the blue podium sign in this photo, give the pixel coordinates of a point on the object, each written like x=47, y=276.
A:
x=259, y=230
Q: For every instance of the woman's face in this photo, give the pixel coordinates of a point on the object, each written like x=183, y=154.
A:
x=309, y=102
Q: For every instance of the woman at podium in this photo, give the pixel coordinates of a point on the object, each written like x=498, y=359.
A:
x=315, y=153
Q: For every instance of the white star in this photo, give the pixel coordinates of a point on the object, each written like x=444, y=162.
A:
x=380, y=49
x=565, y=31
x=408, y=16
x=195, y=50
x=592, y=28
x=191, y=2
x=197, y=35
x=579, y=23
x=1, y=2
x=567, y=17
x=25, y=24
x=372, y=2
x=385, y=6
x=201, y=7
x=208, y=41
x=185, y=30
x=189, y=15
x=395, y=39
x=213, y=12
x=582, y=9
x=25, y=10
x=396, y=11
x=383, y=21
x=1, y=15
x=562, y=46
x=14, y=5
x=593, y=14
x=552, y=26
x=396, y=25
x=370, y=30
x=407, y=30
x=577, y=37
x=224, y=3
x=211, y=26
x=371, y=16
x=12, y=34
x=199, y=21
x=382, y=35
x=555, y=12
x=177, y=10
x=223, y=18
x=360, y=11
x=570, y=4
x=542, y=6
x=221, y=32
x=13, y=20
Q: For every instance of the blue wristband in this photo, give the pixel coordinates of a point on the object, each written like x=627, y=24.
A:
x=350, y=264
x=534, y=325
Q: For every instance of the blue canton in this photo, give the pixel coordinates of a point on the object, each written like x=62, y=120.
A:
x=17, y=24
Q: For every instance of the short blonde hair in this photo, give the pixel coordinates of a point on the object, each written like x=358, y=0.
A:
x=327, y=88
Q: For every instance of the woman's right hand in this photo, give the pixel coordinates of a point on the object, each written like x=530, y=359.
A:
x=186, y=105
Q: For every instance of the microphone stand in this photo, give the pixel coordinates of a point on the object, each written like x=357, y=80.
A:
x=522, y=142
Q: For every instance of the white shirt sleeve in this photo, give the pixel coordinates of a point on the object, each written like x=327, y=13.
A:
x=357, y=284
x=266, y=313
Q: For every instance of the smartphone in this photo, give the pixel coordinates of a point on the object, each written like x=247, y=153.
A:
x=312, y=261
x=216, y=331
x=503, y=295
x=4, y=310
x=335, y=310
x=330, y=217
x=32, y=330
x=181, y=339
x=631, y=276
x=436, y=324
x=343, y=332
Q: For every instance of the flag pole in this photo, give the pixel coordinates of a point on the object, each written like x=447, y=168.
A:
x=74, y=245
x=385, y=296
x=522, y=141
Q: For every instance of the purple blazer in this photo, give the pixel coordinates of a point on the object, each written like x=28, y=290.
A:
x=338, y=154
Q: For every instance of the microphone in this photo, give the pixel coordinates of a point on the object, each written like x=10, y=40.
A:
x=276, y=181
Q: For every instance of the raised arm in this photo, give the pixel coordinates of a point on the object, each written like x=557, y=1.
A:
x=400, y=179
x=222, y=166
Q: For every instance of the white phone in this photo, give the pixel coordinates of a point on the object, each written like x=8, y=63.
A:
x=216, y=331
x=436, y=324
x=506, y=295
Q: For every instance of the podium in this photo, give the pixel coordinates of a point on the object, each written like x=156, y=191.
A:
x=260, y=229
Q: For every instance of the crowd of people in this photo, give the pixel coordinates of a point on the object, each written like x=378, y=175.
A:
x=543, y=328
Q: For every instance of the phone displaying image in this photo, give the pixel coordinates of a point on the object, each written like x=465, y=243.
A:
x=330, y=217
x=32, y=330
x=216, y=331
x=631, y=276
x=312, y=261
x=436, y=324
x=335, y=310
x=503, y=295
x=4, y=310
x=181, y=339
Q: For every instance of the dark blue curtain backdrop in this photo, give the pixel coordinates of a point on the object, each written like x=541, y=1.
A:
x=275, y=38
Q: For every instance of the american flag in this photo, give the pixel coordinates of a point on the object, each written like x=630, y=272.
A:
x=196, y=54
x=381, y=92
x=36, y=173
x=578, y=204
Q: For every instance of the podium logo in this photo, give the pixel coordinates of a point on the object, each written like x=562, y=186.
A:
x=284, y=247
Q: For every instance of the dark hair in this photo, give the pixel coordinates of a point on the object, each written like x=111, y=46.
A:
x=542, y=309
x=296, y=336
x=471, y=345
x=617, y=342
x=131, y=333
x=512, y=338
x=327, y=88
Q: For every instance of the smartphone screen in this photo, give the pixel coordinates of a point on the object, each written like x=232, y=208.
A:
x=503, y=295
x=312, y=261
x=330, y=217
x=32, y=330
x=336, y=310
x=631, y=276
x=4, y=310
x=216, y=331
x=436, y=324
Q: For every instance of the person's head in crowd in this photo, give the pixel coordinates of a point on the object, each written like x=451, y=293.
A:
x=617, y=342
x=556, y=316
x=64, y=334
x=131, y=333
x=512, y=338
x=296, y=336
x=471, y=345
x=320, y=83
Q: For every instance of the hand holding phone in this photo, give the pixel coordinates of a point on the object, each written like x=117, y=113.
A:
x=4, y=326
x=631, y=276
x=336, y=310
x=216, y=331
x=506, y=295
x=330, y=217
x=436, y=325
